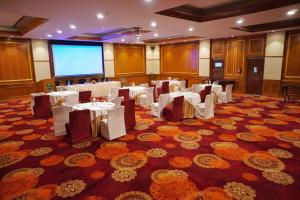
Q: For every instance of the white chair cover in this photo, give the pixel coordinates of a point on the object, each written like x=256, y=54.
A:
x=226, y=96
x=206, y=110
x=117, y=101
x=195, y=88
x=114, y=92
x=182, y=84
x=60, y=118
x=147, y=98
x=72, y=99
x=114, y=126
x=144, y=85
x=156, y=108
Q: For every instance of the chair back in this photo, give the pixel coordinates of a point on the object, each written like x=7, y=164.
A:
x=195, y=88
x=144, y=85
x=85, y=96
x=209, y=106
x=186, y=83
x=229, y=92
x=42, y=106
x=216, y=82
x=163, y=100
x=150, y=94
x=79, y=126
x=114, y=92
x=116, y=116
x=117, y=101
x=72, y=99
x=202, y=95
x=60, y=118
x=129, y=113
x=124, y=93
x=178, y=106
x=165, y=87
x=208, y=89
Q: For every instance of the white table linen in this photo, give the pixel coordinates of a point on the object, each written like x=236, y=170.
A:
x=192, y=97
x=98, y=89
x=135, y=90
x=68, y=97
x=176, y=83
x=198, y=87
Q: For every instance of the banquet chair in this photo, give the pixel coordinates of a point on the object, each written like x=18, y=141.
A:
x=182, y=84
x=174, y=111
x=157, y=107
x=72, y=99
x=225, y=97
x=85, y=96
x=79, y=127
x=208, y=89
x=148, y=98
x=60, y=118
x=42, y=106
x=117, y=101
x=114, y=92
x=165, y=87
x=206, y=110
x=129, y=113
x=216, y=82
x=194, y=88
x=203, y=95
x=114, y=126
x=144, y=85
x=124, y=93
x=186, y=83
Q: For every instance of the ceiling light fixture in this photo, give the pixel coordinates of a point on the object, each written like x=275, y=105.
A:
x=72, y=26
x=153, y=24
x=100, y=16
x=49, y=35
x=155, y=34
x=240, y=21
x=273, y=31
x=232, y=35
x=191, y=29
x=123, y=40
x=148, y=0
x=292, y=12
x=59, y=31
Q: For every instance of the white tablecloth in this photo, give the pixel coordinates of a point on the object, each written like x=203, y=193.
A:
x=98, y=89
x=176, y=83
x=135, y=90
x=198, y=87
x=192, y=97
x=56, y=97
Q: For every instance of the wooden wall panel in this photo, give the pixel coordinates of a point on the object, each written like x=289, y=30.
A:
x=16, y=68
x=292, y=54
x=218, y=49
x=271, y=87
x=256, y=47
x=129, y=60
x=230, y=61
x=240, y=58
x=179, y=59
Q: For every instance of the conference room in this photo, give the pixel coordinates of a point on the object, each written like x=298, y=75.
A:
x=150, y=99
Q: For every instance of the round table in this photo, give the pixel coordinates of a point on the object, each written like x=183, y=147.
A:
x=69, y=97
x=192, y=97
x=215, y=88
x=135, y=90
x=98, y=110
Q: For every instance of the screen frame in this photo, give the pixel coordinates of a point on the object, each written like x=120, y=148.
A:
x=73, y=43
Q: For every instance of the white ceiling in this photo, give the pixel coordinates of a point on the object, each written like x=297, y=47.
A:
x=126, y=14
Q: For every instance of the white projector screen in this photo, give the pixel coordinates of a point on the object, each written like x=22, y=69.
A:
x=77, y=60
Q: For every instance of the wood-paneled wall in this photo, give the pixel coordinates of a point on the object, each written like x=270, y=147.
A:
x=129, y=60
x=291, y=70
x=179, y=59
x=16, y=68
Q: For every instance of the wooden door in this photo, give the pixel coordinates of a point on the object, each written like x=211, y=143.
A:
x=255, y=73
x=217, y=72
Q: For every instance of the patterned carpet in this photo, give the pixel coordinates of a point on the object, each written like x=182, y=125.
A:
x=250, y=150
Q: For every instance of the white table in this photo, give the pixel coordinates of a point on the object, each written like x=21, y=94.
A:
x=215, y=88
x=192, y=97
x=135, y=90
x=174, y=83
x=98, y=89
x=69, y=97
x=98, y=110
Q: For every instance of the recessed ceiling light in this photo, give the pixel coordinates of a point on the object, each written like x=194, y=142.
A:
x=123, y=40
x=59, y=31
x=191, y=29
x=292, y=12
x=100, y=16
x=155, y=34
x=148, y=0
x=49, y=35
x=240, y=21
x=232, y=35
x=11, y=36
x=273, y=31
x=72, y=26
x=153, y=24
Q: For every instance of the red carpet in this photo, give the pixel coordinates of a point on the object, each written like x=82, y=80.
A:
x=250, y=150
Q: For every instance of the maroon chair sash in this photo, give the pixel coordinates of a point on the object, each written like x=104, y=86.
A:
x=174, y=111
x=165, y=87
x=42, y=106
x=124, y=93
x=79, y=127
x=208, y=89
x=202, y=95
x=129, y=113
x=85, y=96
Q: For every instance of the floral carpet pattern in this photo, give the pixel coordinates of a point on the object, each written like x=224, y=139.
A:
x=250, y=150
